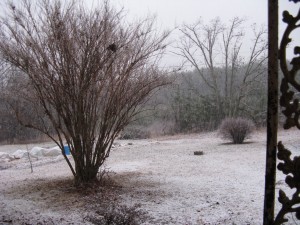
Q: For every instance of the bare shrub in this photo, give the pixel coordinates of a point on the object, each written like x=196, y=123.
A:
x=118, y=215
x=236, y=129
x=89, y=73
x=162, y=127
x=134, y=132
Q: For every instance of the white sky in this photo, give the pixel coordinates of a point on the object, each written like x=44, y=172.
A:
x=170, y=13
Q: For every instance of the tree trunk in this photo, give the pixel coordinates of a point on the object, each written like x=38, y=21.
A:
x=85, y=174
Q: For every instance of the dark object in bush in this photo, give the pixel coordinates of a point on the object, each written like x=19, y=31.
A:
x=236, y=129
x=119, y=215
x=198, y=153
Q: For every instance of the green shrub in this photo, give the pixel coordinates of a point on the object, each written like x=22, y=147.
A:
x=236, y=129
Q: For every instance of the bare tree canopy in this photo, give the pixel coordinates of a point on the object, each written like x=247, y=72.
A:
x=89, y=72
x=215, y=52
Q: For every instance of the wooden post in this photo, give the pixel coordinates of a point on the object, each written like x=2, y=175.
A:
x=272, y=113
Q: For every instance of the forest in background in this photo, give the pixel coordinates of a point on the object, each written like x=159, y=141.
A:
x=182, y=107
x=185, y=107
x=222, y=83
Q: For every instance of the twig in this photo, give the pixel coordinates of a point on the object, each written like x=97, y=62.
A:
x=31, y=167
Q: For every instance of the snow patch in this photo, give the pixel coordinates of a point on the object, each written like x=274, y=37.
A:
x=5, y=157
x=37, y=151
x=51, y=152
x=20, y=154
x=129, y=166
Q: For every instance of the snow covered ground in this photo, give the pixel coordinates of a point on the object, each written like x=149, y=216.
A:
x=223, y=186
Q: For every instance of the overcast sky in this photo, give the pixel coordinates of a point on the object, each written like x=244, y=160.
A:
x=171, y=13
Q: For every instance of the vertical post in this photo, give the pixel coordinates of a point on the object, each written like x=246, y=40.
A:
x=272, y=113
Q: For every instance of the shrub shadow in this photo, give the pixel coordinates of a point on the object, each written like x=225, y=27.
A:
x=244, y=143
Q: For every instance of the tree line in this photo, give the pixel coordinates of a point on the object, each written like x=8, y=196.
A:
x=223, y=82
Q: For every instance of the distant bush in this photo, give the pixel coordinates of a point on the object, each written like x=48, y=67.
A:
x=236, y=129
x=134, y=132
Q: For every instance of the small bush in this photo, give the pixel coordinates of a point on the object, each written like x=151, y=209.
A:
x=119, y=215
x=236, y=129
x=134, y=132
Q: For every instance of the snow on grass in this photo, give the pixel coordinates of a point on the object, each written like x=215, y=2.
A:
x=225, y=185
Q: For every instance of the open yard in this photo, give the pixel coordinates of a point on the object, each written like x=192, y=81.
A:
x=174, y=186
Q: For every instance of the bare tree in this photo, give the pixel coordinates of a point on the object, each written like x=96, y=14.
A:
x=89, y=72
x=214, y=50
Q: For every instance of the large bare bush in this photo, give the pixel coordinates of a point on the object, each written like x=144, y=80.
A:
x=89, y=72
x=236, y=129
